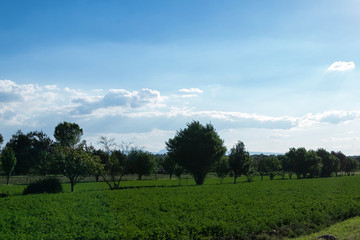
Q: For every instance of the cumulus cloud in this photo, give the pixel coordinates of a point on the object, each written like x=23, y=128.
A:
x=332, y=117
x=30, y=106
x=190, y=90
x=341, y=66
x=120, y=98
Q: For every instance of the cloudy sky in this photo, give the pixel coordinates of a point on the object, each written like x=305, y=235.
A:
x=273, y=74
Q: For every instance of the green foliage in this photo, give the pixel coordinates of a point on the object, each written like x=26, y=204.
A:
x=28, y=149
x=68, y=134
x=260, y=164
x=8, y=162
x=313, y=163
x=196, y=148
x=273, y=166
x=1, y=139
x=257, y=210
x=298, y=160
x=169, y=165
x=222, y=168
x=140, y=163
x=76, y=164
x=351, y=166
x=286, y=165
x=48, y=185
x=240, y=161
x=330, y=163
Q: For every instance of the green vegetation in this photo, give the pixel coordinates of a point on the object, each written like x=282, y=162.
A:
x=160, y=209
x=8, y=162
x=195, y=208
x=196, y=149
x=48, y=185
x=348, y=229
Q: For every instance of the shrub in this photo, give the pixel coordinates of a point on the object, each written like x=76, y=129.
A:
x=49, y=185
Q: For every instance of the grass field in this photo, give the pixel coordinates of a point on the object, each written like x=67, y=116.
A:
x=161, y=209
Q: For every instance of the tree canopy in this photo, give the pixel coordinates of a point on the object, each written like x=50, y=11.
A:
x=68, y=134
x=8, y=162
x=196, y=148
x=76, y=164
x=140, y=163
x=240, y=161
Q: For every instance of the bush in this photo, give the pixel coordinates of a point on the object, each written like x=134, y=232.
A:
x=49, y=185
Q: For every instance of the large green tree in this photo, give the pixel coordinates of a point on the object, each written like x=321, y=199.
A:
x=298, y=160
x=8, y=162
x=68, y=134
x=196, y=148
x=330, y=163
x=30, y=150
x=240, y=161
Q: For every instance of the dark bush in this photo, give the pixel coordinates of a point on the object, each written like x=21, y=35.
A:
x=49, y=185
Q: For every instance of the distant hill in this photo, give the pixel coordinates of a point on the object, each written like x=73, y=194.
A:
x=164, y=151
x=265, y=153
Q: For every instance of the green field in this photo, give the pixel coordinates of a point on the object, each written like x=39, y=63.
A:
x=161, y=209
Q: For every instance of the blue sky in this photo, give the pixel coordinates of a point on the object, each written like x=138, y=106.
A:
x=273, y=74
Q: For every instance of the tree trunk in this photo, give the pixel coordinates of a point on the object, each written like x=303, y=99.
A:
x=170, y=175
x=72, y=186
x=261, y=177
x=139, y=176
x=7, y=179
x=235, y=176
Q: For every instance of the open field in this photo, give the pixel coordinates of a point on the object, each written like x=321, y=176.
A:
x=161, y=209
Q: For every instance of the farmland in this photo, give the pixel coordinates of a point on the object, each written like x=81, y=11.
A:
x=161, y=209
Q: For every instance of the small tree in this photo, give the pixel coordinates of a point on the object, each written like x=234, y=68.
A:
x=68, y=134
x=115, y=167
x=222, y=168
x=141, y=163
x=351, y=166
x=298, y=160
x=240, y=161
x=260, y=164
x=314, y=163
x=342, y=158
x=76, y=164
x=286, y=166
x=178, y=172
x=196, y=148
x=169, y=165
x=8, y=161
x=273, y=166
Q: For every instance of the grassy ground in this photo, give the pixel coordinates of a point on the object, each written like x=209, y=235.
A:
x=346, y=230
x=163, y=209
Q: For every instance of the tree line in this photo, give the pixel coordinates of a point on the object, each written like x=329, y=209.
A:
x=196, y=150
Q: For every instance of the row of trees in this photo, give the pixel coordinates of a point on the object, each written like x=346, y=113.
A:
x=36, y=153
x=196, y=150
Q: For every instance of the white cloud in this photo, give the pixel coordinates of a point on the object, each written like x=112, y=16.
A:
x=190, y=90
x=341, y=66
x=135, y=115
